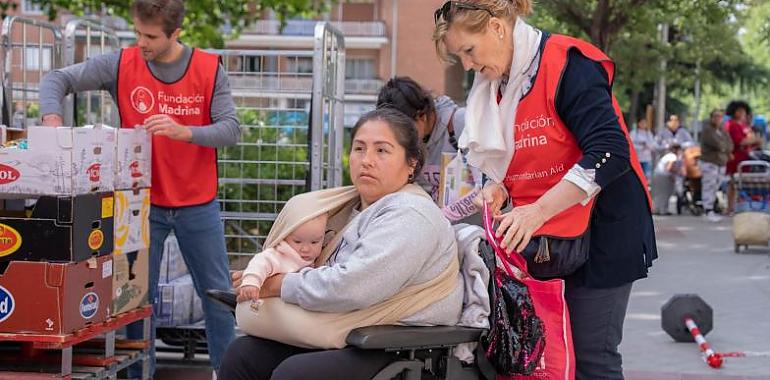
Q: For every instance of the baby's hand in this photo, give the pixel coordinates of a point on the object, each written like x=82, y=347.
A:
x=248, y=292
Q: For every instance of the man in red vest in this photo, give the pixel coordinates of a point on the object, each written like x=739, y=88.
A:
x=181, y=95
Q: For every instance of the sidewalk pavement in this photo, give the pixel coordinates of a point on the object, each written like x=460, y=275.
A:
x=697, y=257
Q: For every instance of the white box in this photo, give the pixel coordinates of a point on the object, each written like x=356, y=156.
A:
x=60, y=161
x=132, y=220
x=178, y=303
x=133, y=168
x=172, y=265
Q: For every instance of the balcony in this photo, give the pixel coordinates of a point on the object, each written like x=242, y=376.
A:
x=307, y=28
x=363, y=86
x=298, y=34
x=290, y=83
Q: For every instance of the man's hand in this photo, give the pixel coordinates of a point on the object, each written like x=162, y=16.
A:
x=164, y=125
x=52, y=120
x=248, y=292
x=494, y=194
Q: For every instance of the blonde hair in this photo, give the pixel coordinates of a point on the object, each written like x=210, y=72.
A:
x=477, y=21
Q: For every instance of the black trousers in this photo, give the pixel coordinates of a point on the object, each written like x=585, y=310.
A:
x=250, y=358
x=597, y=317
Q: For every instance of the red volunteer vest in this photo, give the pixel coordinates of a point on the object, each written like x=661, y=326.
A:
x=545, y=149
x=183, y=174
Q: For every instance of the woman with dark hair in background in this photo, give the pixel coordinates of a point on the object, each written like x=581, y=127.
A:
x=744, y=141
x=439, y=122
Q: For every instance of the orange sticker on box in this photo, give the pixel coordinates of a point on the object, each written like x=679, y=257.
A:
x=108, y=205
x=95, y=239
x=10, y=240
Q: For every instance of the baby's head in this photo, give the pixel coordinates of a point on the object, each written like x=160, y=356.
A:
x=308, y=238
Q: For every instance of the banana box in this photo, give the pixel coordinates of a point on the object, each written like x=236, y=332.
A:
x=59, y=161
x=132, y=220
x=133, y=168
x=59, y=229
x=55, y=298
x=130, y=280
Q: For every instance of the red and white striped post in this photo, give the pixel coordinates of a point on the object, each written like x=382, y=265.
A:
x=712, y=358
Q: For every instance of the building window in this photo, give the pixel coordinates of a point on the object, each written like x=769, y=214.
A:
x=31, y=8
x=360, y=68
x=34, y=61
x=301, y=65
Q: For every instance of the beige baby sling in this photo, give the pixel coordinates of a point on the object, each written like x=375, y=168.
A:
x=290, y=324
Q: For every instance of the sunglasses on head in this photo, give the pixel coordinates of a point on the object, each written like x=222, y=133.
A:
x=446, y=10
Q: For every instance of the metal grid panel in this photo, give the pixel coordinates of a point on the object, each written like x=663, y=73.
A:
x=31, y=49
x=85, y=38
x=284, y=149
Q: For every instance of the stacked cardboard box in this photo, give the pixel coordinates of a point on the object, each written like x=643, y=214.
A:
x=132, y=220
x=61, y=218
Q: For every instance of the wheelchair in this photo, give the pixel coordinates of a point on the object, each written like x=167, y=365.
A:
x=424, y=352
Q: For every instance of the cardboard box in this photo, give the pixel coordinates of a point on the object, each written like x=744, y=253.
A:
x=57, y=228
x=60, y=161
x=172, y=265
x=455, y=181
x=130, y=280
x=133, y=168
x=55, y=298
x=132, y=220
x=177, y=303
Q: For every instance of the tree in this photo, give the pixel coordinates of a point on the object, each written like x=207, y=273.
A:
x=703, y=33
x=208, y=23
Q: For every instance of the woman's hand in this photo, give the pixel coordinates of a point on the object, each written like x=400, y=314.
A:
x=248, y=292
x=518, y=225
x=237, y=278
x=272, y=286
x=494, y=194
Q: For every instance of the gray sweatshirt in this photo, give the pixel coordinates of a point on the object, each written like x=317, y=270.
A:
x=439, y=143
x=379, y=256
x=101, y=73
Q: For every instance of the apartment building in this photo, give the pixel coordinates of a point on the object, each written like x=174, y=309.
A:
x=383, y=38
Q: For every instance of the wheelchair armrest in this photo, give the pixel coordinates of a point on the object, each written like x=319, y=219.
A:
x=394, y=338
x=223, y=297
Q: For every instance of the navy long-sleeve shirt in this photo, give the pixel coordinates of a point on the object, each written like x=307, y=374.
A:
x=622, y=233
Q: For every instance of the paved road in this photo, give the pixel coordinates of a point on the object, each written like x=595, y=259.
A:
x=697, y=257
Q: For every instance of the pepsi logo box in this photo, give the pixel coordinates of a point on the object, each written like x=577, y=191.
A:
x=133, y=160
x=60, y=161
x=55, y=298
x=58, y=229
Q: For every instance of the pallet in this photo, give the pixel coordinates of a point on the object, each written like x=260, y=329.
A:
x=82, y=354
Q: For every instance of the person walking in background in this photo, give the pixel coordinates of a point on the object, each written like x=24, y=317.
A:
x=744, y=141
x=673, y=133
x=548, y=99
x=645, y=145
x=716, y=149
x=141, y=80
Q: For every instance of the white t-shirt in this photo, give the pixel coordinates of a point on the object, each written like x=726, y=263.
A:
x=661, y=167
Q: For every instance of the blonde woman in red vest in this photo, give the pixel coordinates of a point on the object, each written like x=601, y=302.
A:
x=181, y=95
x=543, y=125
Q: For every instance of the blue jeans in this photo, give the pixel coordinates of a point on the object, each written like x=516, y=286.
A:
x=201, y=237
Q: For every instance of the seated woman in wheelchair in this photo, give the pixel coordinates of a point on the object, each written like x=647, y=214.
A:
x=389, y=257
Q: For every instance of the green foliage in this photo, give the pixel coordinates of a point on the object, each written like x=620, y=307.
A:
x=208, y=23
x=704, y=34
